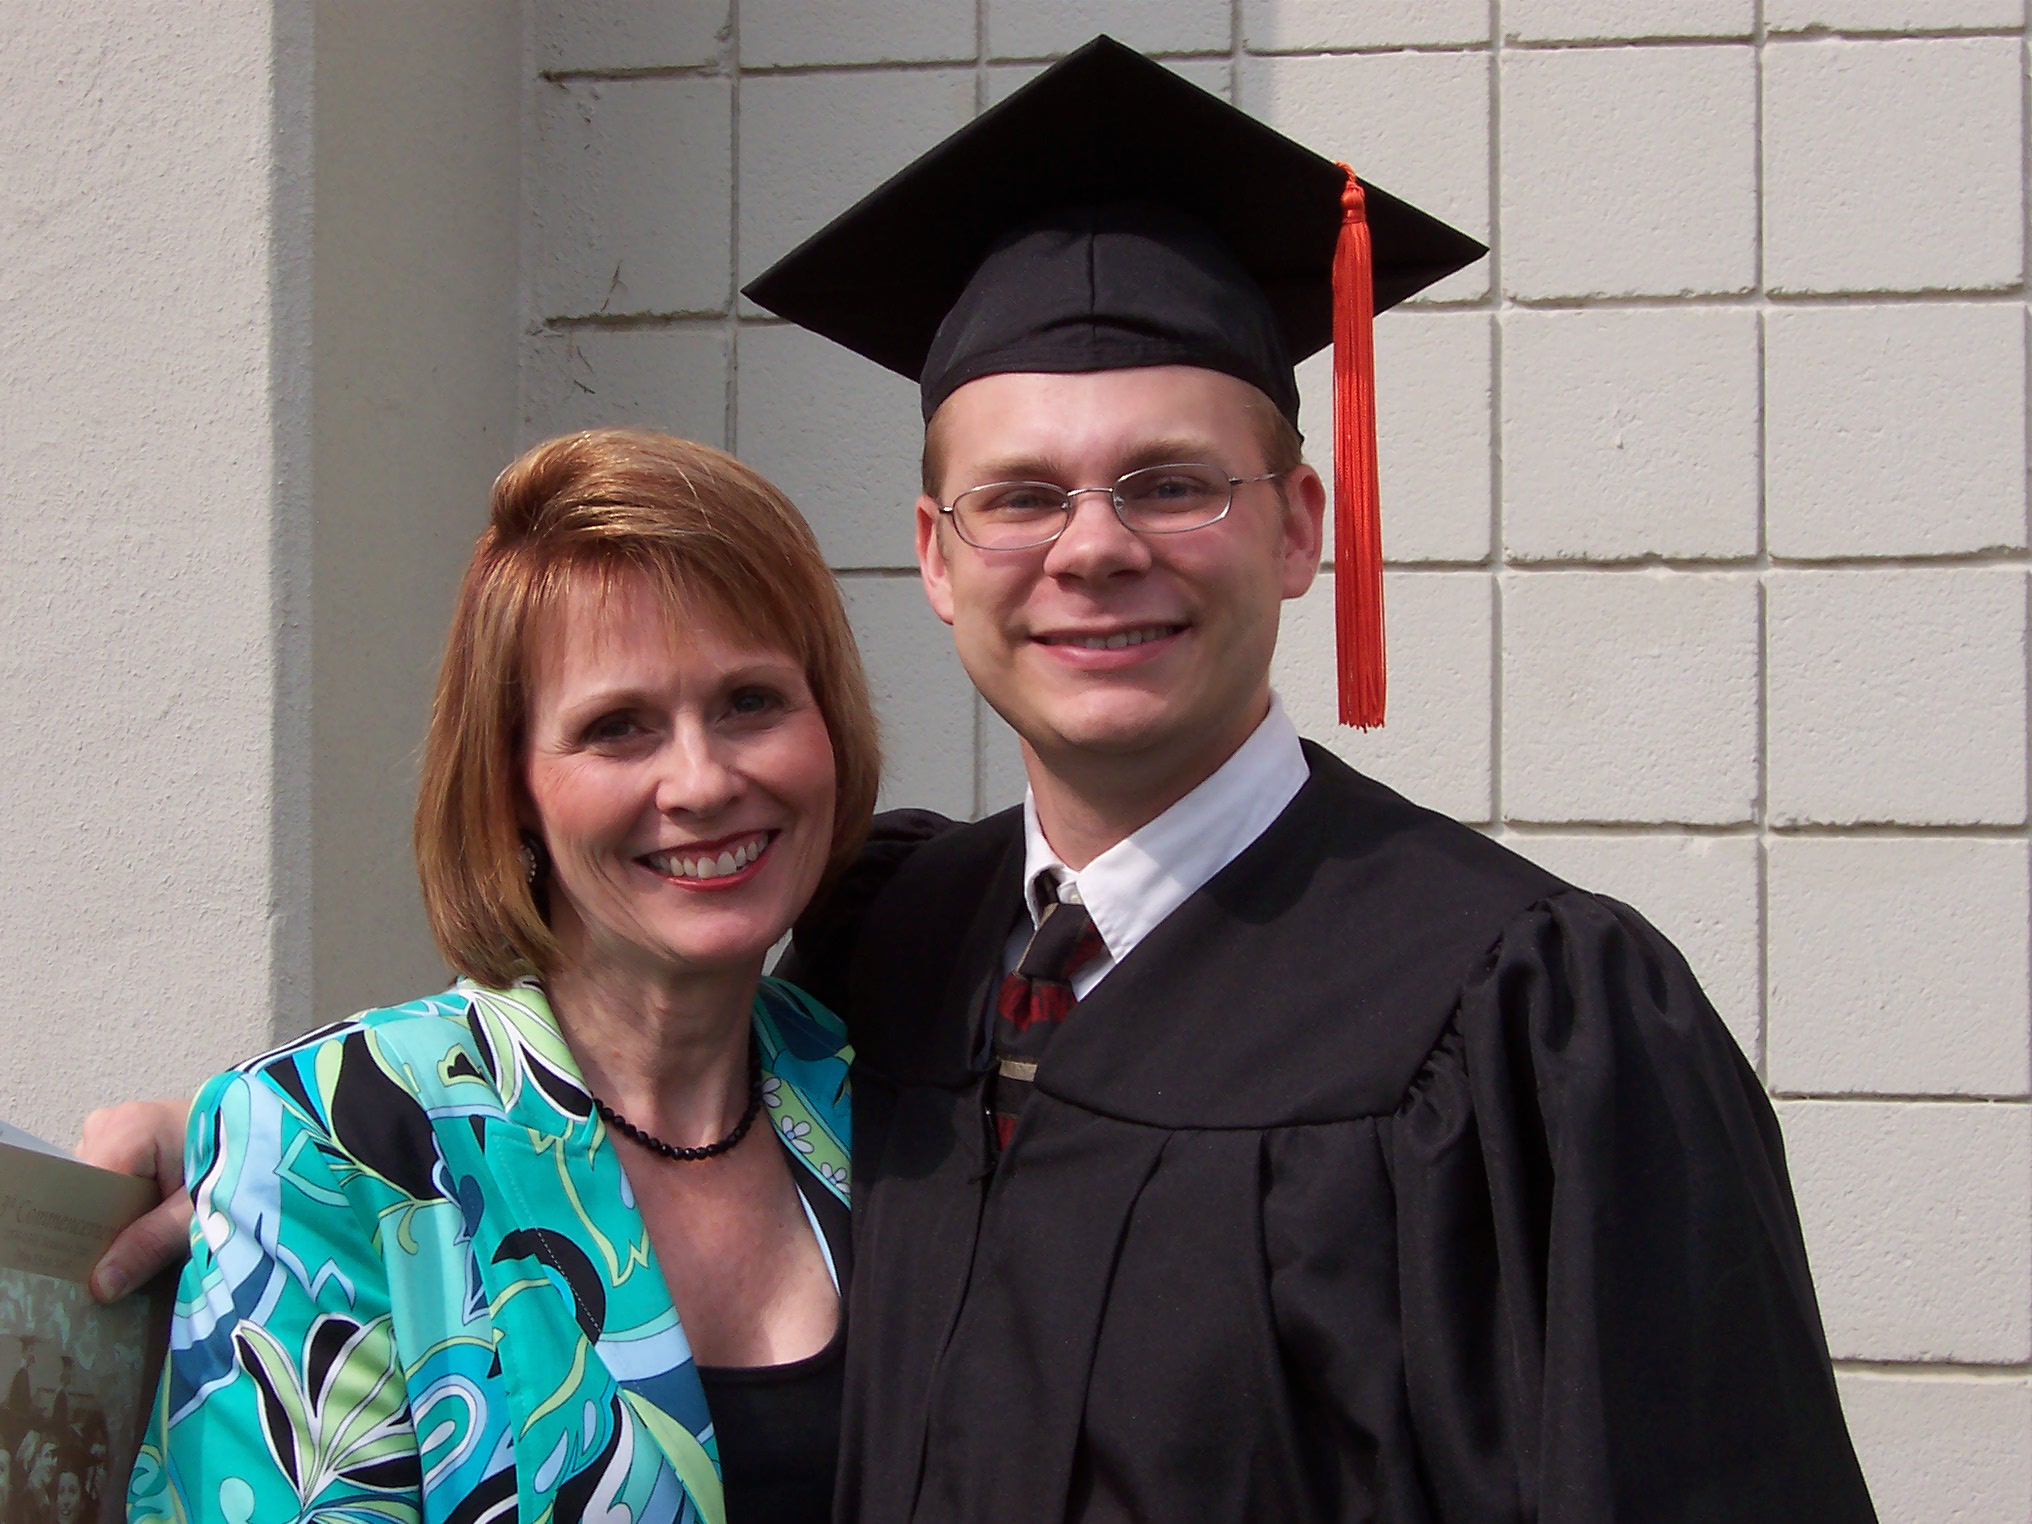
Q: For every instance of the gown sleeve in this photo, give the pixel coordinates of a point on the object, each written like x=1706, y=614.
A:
x=284, y=1395
x=821, y=950
x=1607, y=1313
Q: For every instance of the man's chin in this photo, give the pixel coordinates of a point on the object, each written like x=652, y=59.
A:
x=1108, y=729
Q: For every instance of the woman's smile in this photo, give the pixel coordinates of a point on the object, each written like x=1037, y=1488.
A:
x=711, y=865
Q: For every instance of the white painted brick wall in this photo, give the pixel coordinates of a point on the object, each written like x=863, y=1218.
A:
x=1629, y=171
x=1893, y=15
x=1895, y=430
x=1402, y=120
x=813, y=143
x=1630, y=696
x=1630, y=433
x=1897, y=696
x=838, y=435
x=1046, y=28
x=1285, y=26
x=1621, y=20
x=623, y=225
x=1438, y=746
x=1942, y=1449
x=1916, y=1218
x=1898, y=966
x=1705, y=498
x=594, y=36
x=1434, y=378
x=777, y=32
x=669, y=378
x=1894, y=166
x=921, y=695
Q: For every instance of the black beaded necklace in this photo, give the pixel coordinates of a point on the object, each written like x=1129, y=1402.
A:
x=656, y=1145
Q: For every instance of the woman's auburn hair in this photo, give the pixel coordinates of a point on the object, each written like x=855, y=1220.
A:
x=715, y=540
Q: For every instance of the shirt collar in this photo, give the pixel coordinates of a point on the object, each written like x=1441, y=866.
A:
x=1134, y=885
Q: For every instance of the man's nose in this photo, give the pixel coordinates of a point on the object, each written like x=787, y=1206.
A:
x=1095, y=543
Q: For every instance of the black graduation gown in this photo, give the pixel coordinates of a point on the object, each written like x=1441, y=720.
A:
x=1390, y=1178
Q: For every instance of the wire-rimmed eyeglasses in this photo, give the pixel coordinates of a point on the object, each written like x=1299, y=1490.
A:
x=1155, y=500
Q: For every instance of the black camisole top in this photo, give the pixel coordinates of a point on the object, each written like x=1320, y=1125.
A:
x=778, y=1426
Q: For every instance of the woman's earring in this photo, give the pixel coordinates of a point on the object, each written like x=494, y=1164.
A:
x=530, y=861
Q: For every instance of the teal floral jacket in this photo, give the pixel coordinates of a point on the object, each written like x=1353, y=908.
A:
x=419, y=1288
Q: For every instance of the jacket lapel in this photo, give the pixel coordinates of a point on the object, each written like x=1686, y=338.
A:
x=595, y=1357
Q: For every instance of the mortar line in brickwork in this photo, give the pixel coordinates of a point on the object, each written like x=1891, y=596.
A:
x=1741, y=39
x=878, y=573
x=1904, y=1098
x=1741, y=830
x=525, y=192
x=1944, y=561
x=919, y=65
x=1891, y=830
x=980, y=807
x=1495, y=302
x=1750, y=830
x=980, y=105
x=1485, y=564
x=1906, y=34
x=714, y=70
x=2011, y=559
x=703, y=319
x=730, y=320
x=2025, y=360
x=2025, y=357
x=1756, y=298
x=1761, y=808
x=1934, y=1370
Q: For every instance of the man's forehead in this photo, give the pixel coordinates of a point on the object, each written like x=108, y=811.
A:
x=1115, y=409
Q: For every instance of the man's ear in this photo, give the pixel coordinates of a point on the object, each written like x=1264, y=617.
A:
x=1304, y=529
x=931, y=564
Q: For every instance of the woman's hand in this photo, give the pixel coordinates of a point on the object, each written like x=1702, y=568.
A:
x=141, y=1138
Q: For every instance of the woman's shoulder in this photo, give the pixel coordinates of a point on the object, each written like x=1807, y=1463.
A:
x=430, y=1018
x=792, y=1019
x=402, y=1041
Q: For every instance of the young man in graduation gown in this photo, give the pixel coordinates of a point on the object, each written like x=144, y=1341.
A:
x=1236, y=1140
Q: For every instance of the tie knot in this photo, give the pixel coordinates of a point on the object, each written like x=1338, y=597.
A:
x=1064, y=939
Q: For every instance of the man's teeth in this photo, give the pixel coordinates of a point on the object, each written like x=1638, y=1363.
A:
x=707, y=866
x=1121, y=638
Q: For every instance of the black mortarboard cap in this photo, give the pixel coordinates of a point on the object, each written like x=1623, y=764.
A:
x=1120, y=209
x=1110, y=215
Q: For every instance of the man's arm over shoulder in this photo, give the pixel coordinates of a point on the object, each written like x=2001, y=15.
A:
x=822, y=944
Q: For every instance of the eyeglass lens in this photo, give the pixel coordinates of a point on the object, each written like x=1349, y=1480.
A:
x=1155, y=500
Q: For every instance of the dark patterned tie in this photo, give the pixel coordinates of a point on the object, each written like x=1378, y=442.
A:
x=1031, y=1003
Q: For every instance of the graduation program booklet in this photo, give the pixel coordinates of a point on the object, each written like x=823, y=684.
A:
x=76, y=1379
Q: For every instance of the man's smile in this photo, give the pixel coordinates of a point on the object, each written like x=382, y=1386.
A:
x=1111, y=640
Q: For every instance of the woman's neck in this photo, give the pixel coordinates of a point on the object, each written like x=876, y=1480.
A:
x=667, y=1049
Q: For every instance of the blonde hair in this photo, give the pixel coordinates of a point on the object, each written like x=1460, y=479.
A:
x=594, y=509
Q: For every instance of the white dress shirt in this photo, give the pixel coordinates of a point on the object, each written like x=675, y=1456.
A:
x=1130, y=888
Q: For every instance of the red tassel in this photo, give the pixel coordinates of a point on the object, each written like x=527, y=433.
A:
x=1358, y=518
